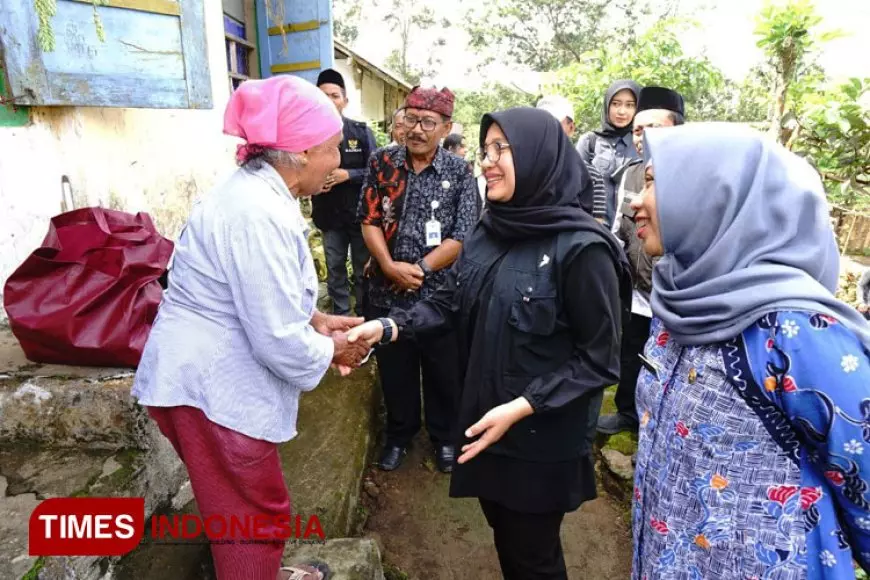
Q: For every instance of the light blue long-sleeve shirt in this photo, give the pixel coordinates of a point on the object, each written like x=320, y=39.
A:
x=232, y=336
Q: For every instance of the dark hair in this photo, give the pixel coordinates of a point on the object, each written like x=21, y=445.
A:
x=453, y=141
x=676, y=118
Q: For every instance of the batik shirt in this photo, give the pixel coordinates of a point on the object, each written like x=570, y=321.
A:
x=754, y=455
x=399, y=201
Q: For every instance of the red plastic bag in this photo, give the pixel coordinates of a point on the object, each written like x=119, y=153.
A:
x=89, y=295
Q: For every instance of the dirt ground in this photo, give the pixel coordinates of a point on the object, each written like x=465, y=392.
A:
x=425, y=535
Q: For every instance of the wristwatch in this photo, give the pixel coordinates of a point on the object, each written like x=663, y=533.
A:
x=387, y=336
x=427, y=271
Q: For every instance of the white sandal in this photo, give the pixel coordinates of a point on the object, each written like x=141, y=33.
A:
x=304, y=573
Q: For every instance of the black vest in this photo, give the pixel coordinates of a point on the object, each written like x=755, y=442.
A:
x=526, y=334
x=337, y=208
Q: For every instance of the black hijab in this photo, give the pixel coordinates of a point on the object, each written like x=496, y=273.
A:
x=553, y=192
x=607, y=128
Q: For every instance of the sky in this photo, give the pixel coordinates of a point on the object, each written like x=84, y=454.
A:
x=725, y=35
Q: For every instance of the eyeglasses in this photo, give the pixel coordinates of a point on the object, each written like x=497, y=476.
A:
x=492, y=152
x=427, y=123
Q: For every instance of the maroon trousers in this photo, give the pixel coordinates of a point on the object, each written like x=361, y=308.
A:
x=231, y=475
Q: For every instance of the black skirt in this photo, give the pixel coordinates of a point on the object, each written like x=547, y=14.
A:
x=526, y=486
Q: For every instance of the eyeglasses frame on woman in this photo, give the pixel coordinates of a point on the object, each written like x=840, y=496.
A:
x=484, y=153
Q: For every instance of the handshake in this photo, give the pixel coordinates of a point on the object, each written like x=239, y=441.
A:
x=352, y=338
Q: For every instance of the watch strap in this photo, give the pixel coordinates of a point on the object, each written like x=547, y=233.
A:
x=387, y=337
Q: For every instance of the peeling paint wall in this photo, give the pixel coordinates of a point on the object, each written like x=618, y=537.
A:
x=131, y=159
x=365, y=93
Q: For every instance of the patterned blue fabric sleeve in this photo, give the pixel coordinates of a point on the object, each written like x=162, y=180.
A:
x=818, y=374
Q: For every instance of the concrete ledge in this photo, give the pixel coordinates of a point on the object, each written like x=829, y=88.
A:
x=65, y=406
x=77, y=431
x=347, y=558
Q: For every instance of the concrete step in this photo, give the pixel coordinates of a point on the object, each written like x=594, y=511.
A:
x=76, y=431
x=30, y=475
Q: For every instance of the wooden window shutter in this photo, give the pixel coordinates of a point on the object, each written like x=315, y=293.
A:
x=155, y=55
x=295, y=37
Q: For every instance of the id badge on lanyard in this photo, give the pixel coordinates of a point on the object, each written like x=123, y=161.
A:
x=433, y=229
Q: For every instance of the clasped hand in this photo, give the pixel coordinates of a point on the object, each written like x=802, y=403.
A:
x=346, y=355
x=405, y=276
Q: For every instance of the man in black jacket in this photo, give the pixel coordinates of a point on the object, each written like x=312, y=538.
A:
x=656, y=107
x=334, y=210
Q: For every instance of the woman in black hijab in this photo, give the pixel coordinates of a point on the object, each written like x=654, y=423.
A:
x=536, y=298
x=611, y=146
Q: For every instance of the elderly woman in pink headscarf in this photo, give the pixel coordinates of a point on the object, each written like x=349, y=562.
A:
x=238, y=337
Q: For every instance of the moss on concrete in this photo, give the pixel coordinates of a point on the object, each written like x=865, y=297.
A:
x=608, y=404
x=130, y=461
x=324, y=464
x=33, y=573
x=625, y=443
x=394, y=573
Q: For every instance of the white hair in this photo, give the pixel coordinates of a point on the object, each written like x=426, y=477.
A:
x=276, y=158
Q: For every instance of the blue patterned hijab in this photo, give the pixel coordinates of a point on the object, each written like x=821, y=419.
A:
x=745, y=228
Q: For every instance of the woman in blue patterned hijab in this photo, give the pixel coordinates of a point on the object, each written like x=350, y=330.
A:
x=755, y=403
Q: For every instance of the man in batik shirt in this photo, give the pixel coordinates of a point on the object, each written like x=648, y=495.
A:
x=418, y=202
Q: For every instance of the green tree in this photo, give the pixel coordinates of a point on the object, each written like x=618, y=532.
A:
x=549, y=34
x=657, y=58
x=472, y=105
x=346, y=19
x=407, y=18
x=834, y=134
x=787, y=34
x=753, y=97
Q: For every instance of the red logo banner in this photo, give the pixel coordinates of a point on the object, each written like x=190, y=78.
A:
x=87, y=526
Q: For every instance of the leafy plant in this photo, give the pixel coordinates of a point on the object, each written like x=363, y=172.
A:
x=346, y=19
x=657, y=58
x=46, y=10
x=834, y=134
x=472, y=105
x=382, y=138
x=408, y=18
x=786, y=33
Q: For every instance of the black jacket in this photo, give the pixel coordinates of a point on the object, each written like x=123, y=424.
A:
x=545, y=325
x=336, y=208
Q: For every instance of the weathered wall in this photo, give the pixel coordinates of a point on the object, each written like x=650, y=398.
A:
x=365, y=92
x=132, y=159
x=353, y=87
x=373, y=97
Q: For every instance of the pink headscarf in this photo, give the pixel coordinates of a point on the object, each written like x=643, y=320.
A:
x=283, y=112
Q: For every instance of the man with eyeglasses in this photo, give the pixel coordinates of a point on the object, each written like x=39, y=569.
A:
x=656, y=107
x=418, y=202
